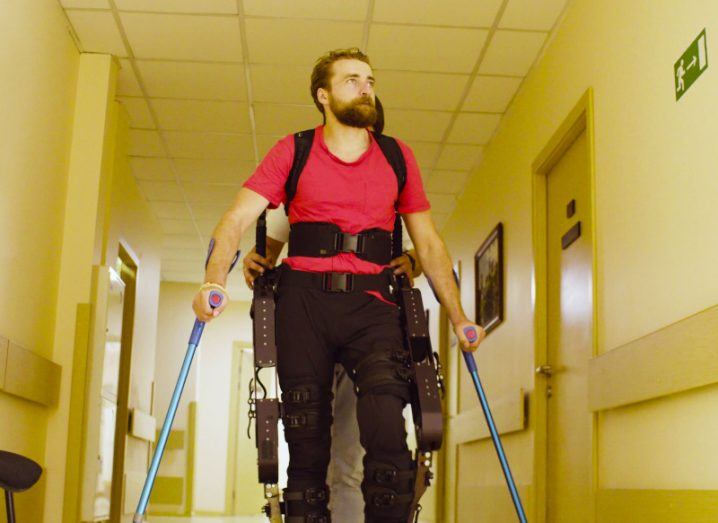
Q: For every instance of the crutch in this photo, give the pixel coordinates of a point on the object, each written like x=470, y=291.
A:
x=472, y=336
x=215, y=300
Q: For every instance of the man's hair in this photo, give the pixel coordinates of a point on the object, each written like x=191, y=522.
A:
x=322, y=72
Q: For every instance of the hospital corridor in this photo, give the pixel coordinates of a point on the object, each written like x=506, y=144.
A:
x=490, y=297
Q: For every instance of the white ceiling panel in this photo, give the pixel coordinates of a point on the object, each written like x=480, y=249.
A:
x=428, y=91
x=213, y=171
x=423, y=126
x=178, y=227
x=512, y=53
x=202, y=115
x=127, y=84
x=208, y=212
x=539, y=15
x=170, y=210
x=285, y=119
x=190, y=268
x=97, y=32
x=183, y=37
x=90, y=4
x=447, y=182
x=461, y=13
x=139, y=112
x=459, y=157
x=210, y=145
x=321, y=9
x=473, y=128
x=151, y=169
x=181, y=241
x=196, y=80
x=442, y=202
x=177, y=253
x=281, y=84
x=298, y=42
x=145, y=143
x=491, y=93
x=415, y=48
x=222, y=195
x=179, y=6
x=425, y=154
x=206, y=227
x=161, y=191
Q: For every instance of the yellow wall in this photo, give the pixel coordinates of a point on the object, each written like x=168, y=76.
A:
x=655, y=215
x=39, y=65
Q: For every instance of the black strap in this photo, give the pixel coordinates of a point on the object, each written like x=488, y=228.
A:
x=302, y=147
x=323, y=239
x=336, y=281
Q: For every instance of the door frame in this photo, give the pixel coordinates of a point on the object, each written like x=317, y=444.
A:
x=579, y=119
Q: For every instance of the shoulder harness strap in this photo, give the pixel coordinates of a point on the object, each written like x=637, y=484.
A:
x=390, y=147
x=302, y=147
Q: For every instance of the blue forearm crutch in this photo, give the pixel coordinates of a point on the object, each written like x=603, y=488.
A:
x=472, y=336
x=215, y=300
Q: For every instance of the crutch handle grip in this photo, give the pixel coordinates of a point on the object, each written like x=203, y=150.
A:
x=215, y=299
x=471, y=334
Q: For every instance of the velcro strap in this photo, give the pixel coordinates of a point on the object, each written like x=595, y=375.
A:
x=387, y=498
x=308, y=518
x=321, y=240
x=338, y=282
x=311, y=496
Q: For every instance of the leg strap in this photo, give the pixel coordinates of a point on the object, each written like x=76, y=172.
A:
x=383, y=372
x=306, y=412
x=307, y=506
x=388, y=490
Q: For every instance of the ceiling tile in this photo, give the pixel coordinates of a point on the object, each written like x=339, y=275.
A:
x=442, y=202
x=532, y=14
x=430, y=12
x=424, y=126
x=177, y=253
x=151, y=169
x=213, y=171
x=207, y=212
x=178, y=227
x=193, y=80
x=276, y=41
x=201, y=115
x=206, y=227
x=97, y=32
x=222, y=195
x=188, y=268
x=281, y=84
x=170, y=210
x=181, y=241
x=89, y=4
x=127, y=84
x=266, y=141
x=512, y=53
x=140, y=117
x=474, y=128
x=323, y=9
x=429, y=91
x=285, y=119
x=179, y=6
x=161, y=191
x=183, y=37
x=425, y=48
x=491, y=93
x=145, y=143
x=425, y=154
x=459, y=157
x=210, y=145
x=447, y=182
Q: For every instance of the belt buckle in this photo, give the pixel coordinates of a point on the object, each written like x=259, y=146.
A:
x=345, y=242
x=338, y=282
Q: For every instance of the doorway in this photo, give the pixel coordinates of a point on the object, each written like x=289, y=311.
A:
x=565, y=305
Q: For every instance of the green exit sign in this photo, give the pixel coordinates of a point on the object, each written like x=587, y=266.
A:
x=691, y=65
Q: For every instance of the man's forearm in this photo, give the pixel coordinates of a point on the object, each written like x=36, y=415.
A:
x=226, y=240
x=436, y=264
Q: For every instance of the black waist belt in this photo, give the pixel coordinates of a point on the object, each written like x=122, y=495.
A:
x=337, y=281
x=321, y=240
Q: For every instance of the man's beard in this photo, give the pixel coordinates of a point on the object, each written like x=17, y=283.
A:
x=359, y=113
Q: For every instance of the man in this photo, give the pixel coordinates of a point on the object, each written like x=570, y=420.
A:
x=345, y=464
x=339, y=308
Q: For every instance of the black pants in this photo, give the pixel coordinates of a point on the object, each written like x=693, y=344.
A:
x=315, y=328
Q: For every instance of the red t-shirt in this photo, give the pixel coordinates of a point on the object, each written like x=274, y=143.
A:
x=355, y=195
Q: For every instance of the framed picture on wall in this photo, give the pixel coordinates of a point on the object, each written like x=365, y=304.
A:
x=489, y=278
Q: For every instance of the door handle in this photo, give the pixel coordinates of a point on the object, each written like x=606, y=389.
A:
x=546, y=370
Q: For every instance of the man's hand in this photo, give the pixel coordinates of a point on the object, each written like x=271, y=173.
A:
x=466, y=345
x=253, y=265
x=201, y=307
x=402, y=265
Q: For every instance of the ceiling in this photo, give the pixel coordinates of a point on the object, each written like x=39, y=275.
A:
x=211, y=85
